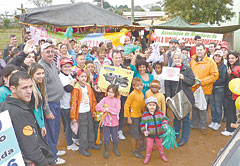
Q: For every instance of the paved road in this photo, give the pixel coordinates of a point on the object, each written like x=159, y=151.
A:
x=199, y=151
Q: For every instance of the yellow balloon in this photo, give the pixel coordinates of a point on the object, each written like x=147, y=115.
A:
x=234, y=86
x=237, y=103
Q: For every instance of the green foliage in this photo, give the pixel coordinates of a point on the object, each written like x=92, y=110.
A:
x=6, y=22
x=155, y=8
x=41, y=3
x=204, y=11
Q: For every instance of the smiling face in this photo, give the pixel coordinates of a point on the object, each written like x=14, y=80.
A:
x=151, y=107
x=30, y=59
x=142, y=69
x=64, y=49
x=158, y=68
x=48, y=54
x=177, y=60
x=154, y=88
x=232, y=59
x=200, y=51
x=90, y=67
x=39, y=75
x=81, y=61
x=110, y=93
x=217, y=58
x=82, y=78
x=138, y=86
x=117, y=59
x=66, y=68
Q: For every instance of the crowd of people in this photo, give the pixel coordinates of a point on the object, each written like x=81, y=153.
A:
x=43, y=84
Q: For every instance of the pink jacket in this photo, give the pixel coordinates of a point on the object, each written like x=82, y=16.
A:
x=114, y=106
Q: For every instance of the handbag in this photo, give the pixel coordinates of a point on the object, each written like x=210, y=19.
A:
x=200, y=100
x=179, y=104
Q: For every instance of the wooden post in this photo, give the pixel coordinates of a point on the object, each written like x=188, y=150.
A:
x=150, y=32
x=132, y=11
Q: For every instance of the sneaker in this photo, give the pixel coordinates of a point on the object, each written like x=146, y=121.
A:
x=60, y=161
x=61, y=153
x=120, y=135
x=227, y=133
x=76, y=141
x=216, y=126
x=73, y=147
x=211, y=125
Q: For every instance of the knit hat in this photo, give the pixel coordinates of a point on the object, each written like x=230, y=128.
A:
x=151, y=100
x=80, y=71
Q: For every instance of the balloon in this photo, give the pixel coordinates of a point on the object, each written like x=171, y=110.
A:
x=129, y=34
x=153, y=37
x=237, y=103
x=69, y=32
x=123, y=30
x=234, y=86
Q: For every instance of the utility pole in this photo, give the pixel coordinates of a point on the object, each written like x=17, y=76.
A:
x=132, y=11
x=23, y=31
x=101, y=3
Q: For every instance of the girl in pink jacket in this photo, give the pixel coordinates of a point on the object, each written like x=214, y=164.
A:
x=111, y=106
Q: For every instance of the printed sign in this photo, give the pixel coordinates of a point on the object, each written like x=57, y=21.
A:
x=10, y=154
x=91, y=40
x=164, y=36
x=170, y=73
x=115, y=75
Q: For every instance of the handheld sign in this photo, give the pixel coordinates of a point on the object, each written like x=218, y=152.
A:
x=170, y=73
x=10, y=154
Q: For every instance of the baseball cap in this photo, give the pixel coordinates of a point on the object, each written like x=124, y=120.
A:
x=173, y=41
x=84, y=45
x=224, y=45
x=151, y=100
x=182, y=41
x=65, y=61
x=80, y=71
x=219, y=52
x=46, y=45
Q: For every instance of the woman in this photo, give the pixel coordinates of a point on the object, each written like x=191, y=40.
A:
x=38, y=100
x=4, y=82
x=185, y=83
x=232, y=72
x=217, y=97
x=140, y=71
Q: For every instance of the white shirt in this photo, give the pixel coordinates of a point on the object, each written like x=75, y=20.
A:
x=65, y=100
x=159, y=78
x=85, y=105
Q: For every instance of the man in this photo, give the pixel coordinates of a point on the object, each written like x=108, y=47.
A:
x=117, y=62
x=212, y=49
x=182, y=44
x=85, y=52
x=198, y=40
x=31, y=143
x=73, y=42
x=54, y=92
x=174, y=46
x=206, y=72
x=12, y=42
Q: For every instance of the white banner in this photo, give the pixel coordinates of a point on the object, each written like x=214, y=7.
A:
x=164, y=36
x=10, y=154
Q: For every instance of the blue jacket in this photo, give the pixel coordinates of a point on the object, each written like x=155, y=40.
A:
x=222, y=80
x=4, y=92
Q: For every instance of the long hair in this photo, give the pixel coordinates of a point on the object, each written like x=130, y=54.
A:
x=7, y=71
x=42, y=96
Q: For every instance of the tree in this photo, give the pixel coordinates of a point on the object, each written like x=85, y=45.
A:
x=204, y=11
x=155, y=8
x=41, y=3
x=72, y=1
x=5, y=19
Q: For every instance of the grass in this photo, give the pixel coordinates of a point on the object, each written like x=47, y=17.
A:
x=4, y=33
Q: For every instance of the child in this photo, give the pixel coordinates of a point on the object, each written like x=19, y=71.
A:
x=157, y=74
x=83, y=104
x=154, y=91
x=91, y=68
x=68, y=83
x=152, y=121
x=111, y=105
x=80, y=65
x=101, y=60
x=133, y=109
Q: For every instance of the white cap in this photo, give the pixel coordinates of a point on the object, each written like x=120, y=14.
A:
x=219, y=52
x=46, y=45
x=151, y=100
x=182, y=41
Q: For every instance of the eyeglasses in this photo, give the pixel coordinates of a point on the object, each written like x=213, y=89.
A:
x=49, y=51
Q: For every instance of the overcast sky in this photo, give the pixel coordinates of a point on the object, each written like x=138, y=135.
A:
x=11, y=5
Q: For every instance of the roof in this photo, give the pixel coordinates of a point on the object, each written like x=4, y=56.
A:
x=74, y=15
x=145, y=14
x=178, y=23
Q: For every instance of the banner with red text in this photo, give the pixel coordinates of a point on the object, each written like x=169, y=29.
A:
x=164, y=36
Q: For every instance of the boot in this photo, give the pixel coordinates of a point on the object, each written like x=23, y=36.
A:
x=164, y=158
x=160, y=149
x=106, y=151
x=115, y=149
x=148, y=155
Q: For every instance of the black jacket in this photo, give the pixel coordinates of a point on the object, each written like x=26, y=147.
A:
x=222, y=79
x=31, y=143
x=185, y=85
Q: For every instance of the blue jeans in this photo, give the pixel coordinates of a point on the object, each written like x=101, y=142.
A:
x=53, y=127
x=216, y=103
x=185, y=123
x=67, y=128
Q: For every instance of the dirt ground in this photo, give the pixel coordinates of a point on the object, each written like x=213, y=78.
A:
x=201, y=150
